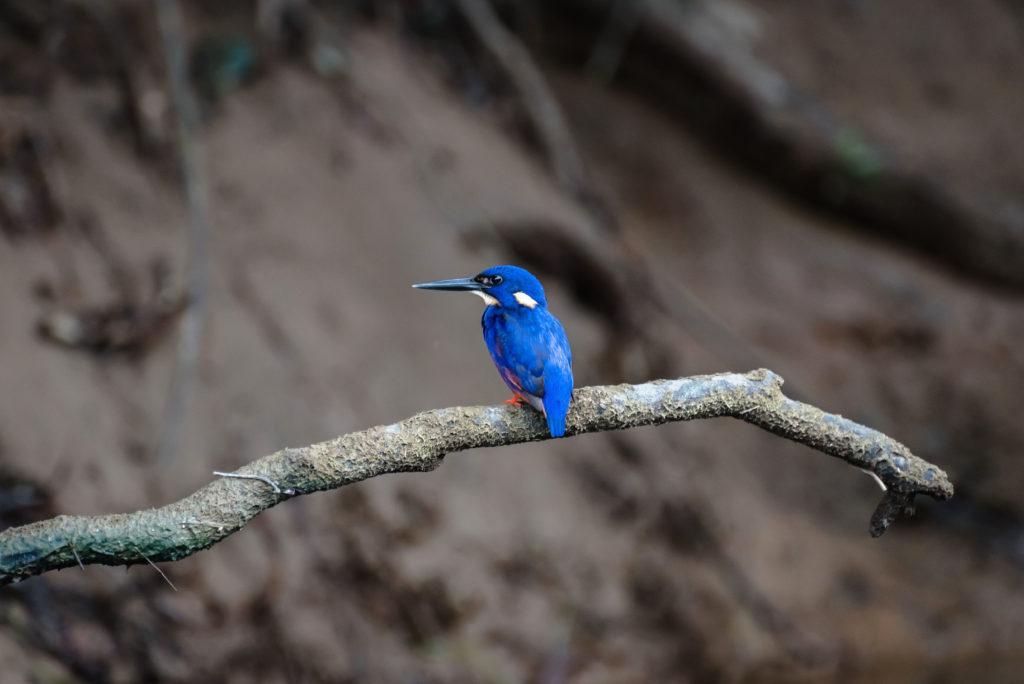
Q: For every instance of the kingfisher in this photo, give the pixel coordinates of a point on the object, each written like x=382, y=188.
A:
x=526, y=342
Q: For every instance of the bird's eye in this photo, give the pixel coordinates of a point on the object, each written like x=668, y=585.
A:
x=488, y=281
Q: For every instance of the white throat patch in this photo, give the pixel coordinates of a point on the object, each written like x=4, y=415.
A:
x=488, y=299
x=525, y=299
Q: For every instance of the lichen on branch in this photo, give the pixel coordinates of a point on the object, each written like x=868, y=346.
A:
x=420, y=443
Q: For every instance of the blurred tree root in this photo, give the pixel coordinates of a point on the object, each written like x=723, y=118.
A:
x=541, y=106
x=28, y=202
x=420, y=443
x=198, y=236
x=689, y=59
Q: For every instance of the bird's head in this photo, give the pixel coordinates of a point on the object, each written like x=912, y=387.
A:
x=508, y=286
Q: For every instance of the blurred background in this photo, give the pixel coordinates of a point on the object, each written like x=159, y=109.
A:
x=831, y=190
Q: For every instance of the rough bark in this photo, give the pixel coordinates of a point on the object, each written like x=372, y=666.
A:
x=420, y=443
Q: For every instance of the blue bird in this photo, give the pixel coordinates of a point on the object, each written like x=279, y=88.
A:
x=526, y=342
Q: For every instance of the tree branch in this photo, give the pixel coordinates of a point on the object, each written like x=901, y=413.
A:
x=420, y=443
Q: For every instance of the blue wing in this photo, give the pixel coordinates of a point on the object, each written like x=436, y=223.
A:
x=532, y=354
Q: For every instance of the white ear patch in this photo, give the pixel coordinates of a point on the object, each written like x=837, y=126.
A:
x=525, y=299
x=488, y=299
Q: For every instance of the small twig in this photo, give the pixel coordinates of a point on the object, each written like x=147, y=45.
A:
x=166, y=578
x=77, y=557
x=876, y=479
x=266, y=480
x=894, y=505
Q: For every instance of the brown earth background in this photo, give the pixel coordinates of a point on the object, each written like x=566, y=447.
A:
x=353, y=148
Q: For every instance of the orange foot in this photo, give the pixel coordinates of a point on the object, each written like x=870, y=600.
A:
x=516, y=400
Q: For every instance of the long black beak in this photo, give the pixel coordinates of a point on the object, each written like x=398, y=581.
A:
x=453, y=284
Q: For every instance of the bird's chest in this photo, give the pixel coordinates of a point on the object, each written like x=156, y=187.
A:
x=512, y=333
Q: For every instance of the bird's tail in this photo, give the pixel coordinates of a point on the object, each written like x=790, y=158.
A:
x=555, y=411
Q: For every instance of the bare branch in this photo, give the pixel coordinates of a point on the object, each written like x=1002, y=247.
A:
x=420, y=444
